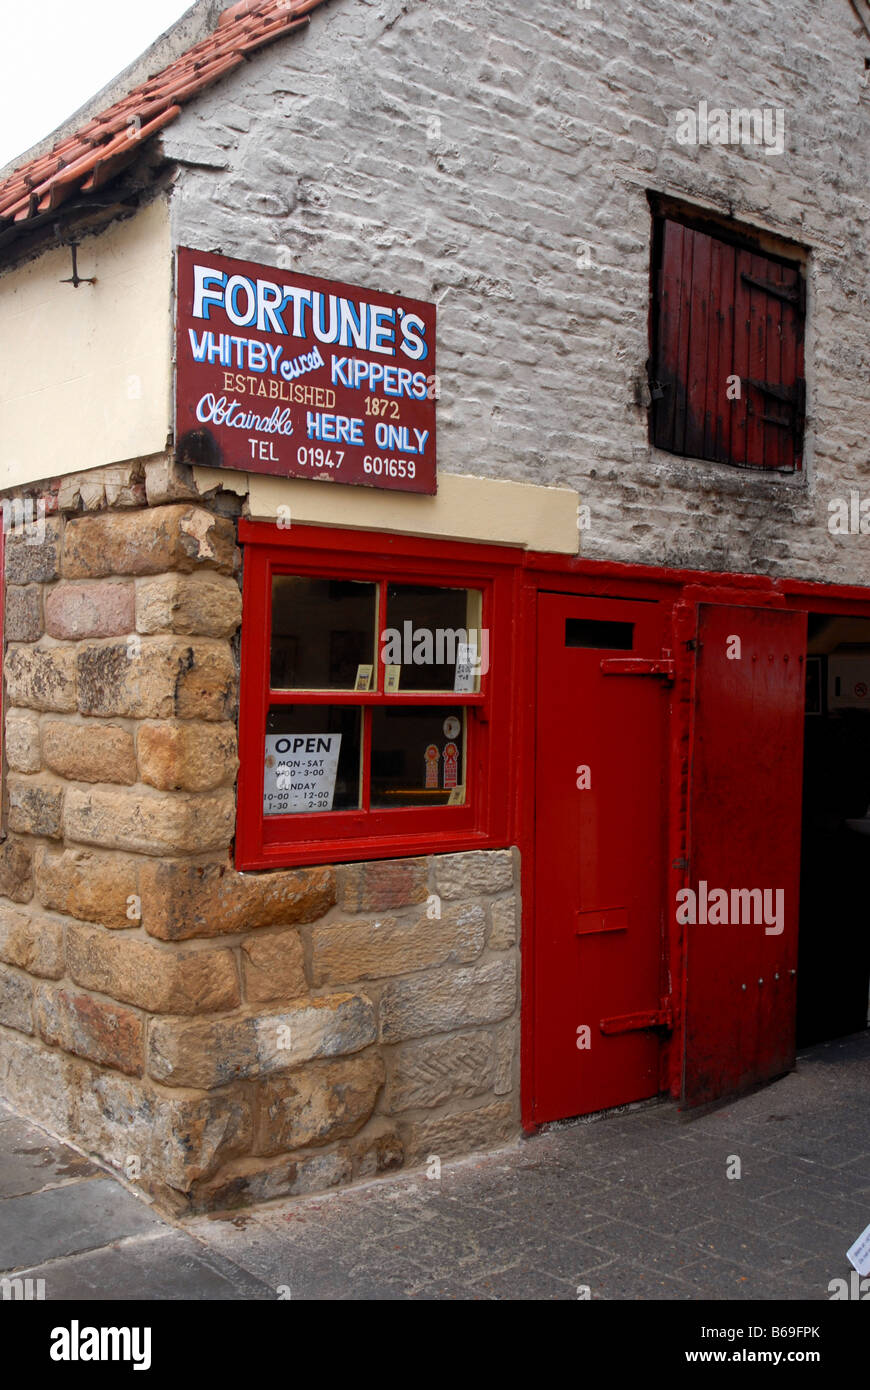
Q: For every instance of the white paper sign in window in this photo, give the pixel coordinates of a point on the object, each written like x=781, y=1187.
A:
x=300, y=772
x=467, y=666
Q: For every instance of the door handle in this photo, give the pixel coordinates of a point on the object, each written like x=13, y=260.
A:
x=638, y=1023
x=600, y=919
x=638, y=666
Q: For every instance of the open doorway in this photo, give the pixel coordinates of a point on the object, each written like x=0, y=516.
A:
x=834, y=931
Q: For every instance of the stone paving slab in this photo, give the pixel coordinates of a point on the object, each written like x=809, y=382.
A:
x=66, y=1220
x=635, y=1206
x=32, y=1161
x=165, y=1264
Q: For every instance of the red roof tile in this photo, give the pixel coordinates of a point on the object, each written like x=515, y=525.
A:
x=83, y=162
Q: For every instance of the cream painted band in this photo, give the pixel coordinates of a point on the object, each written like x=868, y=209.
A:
x=86, y=373
x=464, y=508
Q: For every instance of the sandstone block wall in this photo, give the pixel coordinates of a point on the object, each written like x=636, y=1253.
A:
x=219, y=1037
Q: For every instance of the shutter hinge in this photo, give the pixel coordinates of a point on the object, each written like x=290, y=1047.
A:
x=792, y=397
x=786, y=394
x=792, y=293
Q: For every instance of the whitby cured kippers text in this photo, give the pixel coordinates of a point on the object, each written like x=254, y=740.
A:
x=299, y=377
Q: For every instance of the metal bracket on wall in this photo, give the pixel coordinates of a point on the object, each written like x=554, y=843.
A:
x=75, y=279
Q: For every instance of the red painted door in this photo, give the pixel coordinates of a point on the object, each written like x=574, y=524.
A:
x=745, y=819
x=599, y=855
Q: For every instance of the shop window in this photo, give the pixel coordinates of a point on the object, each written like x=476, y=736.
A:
x=727, y=324
x=372, y=720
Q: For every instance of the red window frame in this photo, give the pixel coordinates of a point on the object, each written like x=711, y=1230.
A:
x=323, y=837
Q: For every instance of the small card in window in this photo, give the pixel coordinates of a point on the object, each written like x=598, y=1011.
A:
x=456, y=797
x=466, y=666
x=391, y=678
x=451, y=765
x=364, y=677
x=432, y=758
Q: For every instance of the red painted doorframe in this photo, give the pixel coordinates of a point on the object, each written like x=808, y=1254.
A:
x=681, y=591
x=526, y=574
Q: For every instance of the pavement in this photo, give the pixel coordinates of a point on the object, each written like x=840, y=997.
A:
x=637, y=1205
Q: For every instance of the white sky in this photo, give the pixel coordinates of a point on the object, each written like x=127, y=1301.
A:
x=55, y=54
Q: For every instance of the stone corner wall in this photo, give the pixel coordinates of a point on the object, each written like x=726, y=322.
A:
x=219, y=1037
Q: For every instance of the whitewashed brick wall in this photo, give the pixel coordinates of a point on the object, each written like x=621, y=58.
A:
x=466, y=151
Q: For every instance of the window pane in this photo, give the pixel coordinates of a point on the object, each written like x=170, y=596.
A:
x=322, y=631
x=312, y=759
x=418, y=756
x=425, y=629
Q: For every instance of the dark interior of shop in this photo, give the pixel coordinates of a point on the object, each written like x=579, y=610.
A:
x=834, y=935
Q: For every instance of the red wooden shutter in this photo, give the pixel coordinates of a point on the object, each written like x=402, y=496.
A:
x=723, y=311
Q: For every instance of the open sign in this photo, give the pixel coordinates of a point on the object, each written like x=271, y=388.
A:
x=299, y=773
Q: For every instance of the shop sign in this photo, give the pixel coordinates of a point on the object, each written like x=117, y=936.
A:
x=302, y=378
